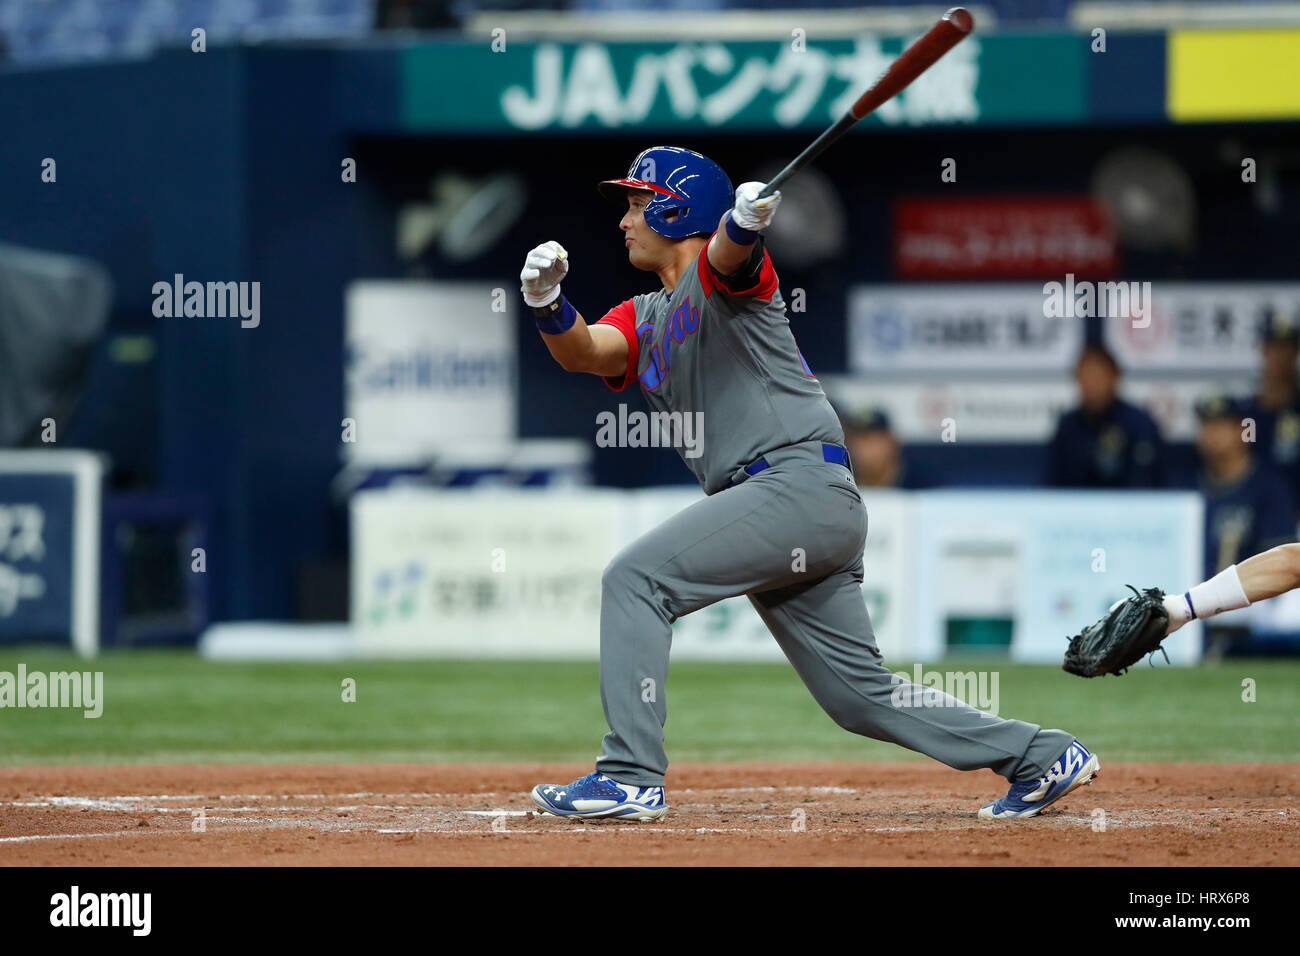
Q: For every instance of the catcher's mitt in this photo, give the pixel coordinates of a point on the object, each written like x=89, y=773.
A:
x=1132, y=629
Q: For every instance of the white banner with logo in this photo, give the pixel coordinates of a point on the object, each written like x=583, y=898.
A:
x=482, y=573
x=518, y=573
x=1049, y=562
x=428, y=365
x=958, y=327
x=1016, y=411
x=1201, y=326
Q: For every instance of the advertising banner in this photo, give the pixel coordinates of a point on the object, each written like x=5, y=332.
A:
x=1048, y=563
x=1201, y=326
x=428, y=365
x=50, y=547
x=518, y=573
x=736, y=85
x=1003, y=237
x=481, y=573
x=1017, y=411
x=901, y=330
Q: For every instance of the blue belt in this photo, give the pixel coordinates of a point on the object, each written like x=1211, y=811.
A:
x=831, y=453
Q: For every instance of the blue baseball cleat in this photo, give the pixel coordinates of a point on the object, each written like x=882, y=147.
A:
x=597, y=796
x=1028, y=798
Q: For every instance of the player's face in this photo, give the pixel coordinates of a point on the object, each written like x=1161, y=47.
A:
x=874, y=452
x=1097, y=382
x=1219, y=438
x=646, y=249
x=1279, y=360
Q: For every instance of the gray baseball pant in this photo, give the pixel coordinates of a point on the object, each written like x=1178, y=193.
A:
x=743, y=540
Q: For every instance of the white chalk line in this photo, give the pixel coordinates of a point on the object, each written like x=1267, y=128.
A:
x=132, y=803
x=342, y=808
x=620, y=828
x=63, y=836
x=569, y=827
x=110, y=802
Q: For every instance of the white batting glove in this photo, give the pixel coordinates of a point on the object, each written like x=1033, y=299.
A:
x=753, y=213
x=543, y=269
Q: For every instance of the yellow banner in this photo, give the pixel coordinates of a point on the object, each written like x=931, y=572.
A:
x=1237, y=74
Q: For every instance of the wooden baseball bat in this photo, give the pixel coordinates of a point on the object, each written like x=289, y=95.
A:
x=950, y=30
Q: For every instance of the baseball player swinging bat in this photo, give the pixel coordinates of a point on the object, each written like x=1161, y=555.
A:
x=782, y=521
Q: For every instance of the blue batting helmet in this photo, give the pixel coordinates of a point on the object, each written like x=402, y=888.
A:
x=692, y=191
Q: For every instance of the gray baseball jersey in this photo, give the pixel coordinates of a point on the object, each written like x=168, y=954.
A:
x=722, y=346
x=719, y=348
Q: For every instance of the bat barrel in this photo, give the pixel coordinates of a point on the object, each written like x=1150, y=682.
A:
x=950, y=30
x=960, y=18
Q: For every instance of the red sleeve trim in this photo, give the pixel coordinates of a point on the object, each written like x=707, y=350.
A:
x=708, y=279
x=623, y=318
x=764, y=287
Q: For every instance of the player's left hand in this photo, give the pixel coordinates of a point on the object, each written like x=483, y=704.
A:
x=753, y=213
x=543, y=270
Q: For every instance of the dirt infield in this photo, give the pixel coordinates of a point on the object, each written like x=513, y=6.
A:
x=726, y=814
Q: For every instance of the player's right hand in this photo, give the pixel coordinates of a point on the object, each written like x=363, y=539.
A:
x=753, y=213
x=543, y=269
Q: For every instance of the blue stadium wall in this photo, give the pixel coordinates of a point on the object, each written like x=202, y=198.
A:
x=225, y=166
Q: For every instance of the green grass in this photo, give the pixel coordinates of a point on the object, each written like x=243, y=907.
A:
x=173, y=707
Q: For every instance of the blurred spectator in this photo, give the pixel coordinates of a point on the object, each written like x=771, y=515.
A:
x=1275, y=408
x=1105, y=442
x=1248, y=506
x=875, y=451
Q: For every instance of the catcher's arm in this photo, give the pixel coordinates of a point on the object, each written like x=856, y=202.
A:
x=1271, y=572
x=1258, y=578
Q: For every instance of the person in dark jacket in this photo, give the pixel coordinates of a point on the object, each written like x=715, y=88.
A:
x=1248, y=505
x=1275, y=407
x=1105, y=442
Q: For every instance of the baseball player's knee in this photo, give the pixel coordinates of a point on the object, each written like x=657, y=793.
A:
x=624, y=574
x=844, y=717
x=848, y=711
x=866, y=710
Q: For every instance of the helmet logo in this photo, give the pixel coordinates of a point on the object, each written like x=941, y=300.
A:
x=644, y=170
